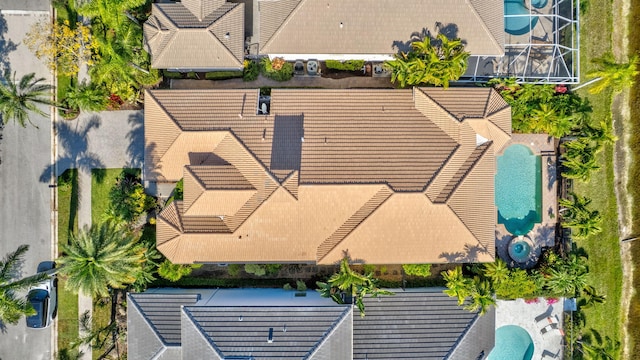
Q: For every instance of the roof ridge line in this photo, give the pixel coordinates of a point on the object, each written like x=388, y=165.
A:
x=484, y=25
x=439, y=105
x=201, y=331
x=210, y=31
x=333, y=328
x=153, y=328
x=487, y=146
x=286, y=20
x=321, y=253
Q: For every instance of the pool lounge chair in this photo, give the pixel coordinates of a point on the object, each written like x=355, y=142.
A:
x=548, y=328
x=545, y=314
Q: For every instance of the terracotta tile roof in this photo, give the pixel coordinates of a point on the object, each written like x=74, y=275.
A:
x=376, y=26
x=386, y=175
x=196, y=34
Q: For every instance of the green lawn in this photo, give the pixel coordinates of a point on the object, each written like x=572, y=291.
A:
x=605, y=269
x=67, y=223
x=102, y=180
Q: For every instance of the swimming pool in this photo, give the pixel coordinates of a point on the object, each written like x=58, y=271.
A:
x=512, y=343
x=518, y=20
x=518, y=189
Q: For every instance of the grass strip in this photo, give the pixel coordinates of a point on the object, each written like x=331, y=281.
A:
x=67, y=223
x=633, y=188
x=605, y=267
x=102, y=181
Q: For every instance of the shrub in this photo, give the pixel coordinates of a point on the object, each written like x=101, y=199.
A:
x=251, y=70
x=128, y=199
x=368, y=268
x=261, y=270
x=222, y=75
x=171, y=74
x=234, y=269
x=349, y=65
x=423, y=270
x=173, y=272
x=277, y=69
x=87, y=97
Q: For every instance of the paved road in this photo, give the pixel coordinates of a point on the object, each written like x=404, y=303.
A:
x=25, y=201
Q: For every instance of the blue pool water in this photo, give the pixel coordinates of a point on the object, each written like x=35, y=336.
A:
x=512, y=343
x=518, y=25
x=518, y=189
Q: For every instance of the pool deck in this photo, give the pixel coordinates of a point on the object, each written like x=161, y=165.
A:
x=517, y=312
x=543, y=234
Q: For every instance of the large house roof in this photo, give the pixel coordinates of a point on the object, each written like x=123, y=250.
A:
x=426, y=321
x=195, y=34
x=395, y=176
x=377, y=26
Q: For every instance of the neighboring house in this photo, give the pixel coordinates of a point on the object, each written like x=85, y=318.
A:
x=275, y=324
x=196, y=35
x=201, y=35
x=374, y=29
x=385, y=176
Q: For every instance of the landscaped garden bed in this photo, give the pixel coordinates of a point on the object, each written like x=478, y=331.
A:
x=333, y=69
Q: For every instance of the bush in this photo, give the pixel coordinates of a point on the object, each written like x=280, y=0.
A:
x=222, y=75
x=423, y=270
x=261, y=270
x=171, y=74
x=251, y=70
x=86, y=97
x=349, y=65
x=234, y=269
x=173, y=272
x=278, y=70
x=128, y=199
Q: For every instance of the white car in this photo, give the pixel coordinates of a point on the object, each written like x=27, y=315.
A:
x=43, y=297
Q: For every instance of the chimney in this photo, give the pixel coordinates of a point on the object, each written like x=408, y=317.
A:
x=270, y=338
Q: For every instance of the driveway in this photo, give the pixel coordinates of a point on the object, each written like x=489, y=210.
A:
x=25, y=201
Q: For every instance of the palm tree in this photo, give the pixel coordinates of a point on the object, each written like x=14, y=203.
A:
x=590, y=297
x=577, y=216
x=613, y=74
x=18, y=98
x=87, y=97
x=352, y=283
x=580, y=168
x=457, y=285
x=496, y=271
x=430, y=64
x=13, y=307
x=481, y=296
x=100, y=258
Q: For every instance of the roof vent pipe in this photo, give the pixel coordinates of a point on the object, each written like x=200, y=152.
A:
x=270, y=338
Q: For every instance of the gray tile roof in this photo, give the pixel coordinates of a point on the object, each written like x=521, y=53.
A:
x=414, y=325
x=296, y=332
x=163, y=312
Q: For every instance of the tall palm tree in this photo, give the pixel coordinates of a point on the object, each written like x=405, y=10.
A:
x=577, y=215
x=100, y=258
x=19, y=98
x=13, y=307
x=618, y=76
x=352, y=283
x=457, y=284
